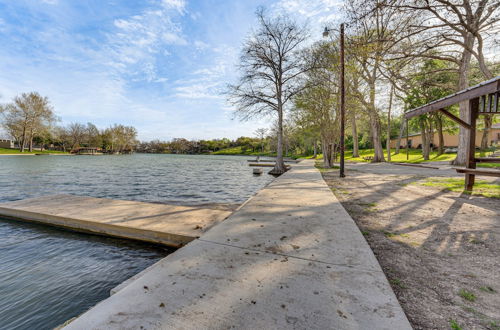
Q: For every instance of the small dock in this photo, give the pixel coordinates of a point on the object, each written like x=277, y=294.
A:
x=170, y=225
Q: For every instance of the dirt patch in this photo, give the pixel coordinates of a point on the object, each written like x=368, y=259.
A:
x=439, y=249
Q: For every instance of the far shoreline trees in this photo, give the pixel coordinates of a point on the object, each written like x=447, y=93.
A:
x=28, y=116
x=30, y=119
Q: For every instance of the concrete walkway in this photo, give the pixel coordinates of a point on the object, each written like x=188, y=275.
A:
x=171, y=225
x=290, y=258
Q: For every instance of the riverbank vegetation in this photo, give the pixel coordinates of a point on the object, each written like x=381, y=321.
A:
x=7, y=151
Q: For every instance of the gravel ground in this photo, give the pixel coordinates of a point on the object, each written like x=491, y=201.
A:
x=440, y=250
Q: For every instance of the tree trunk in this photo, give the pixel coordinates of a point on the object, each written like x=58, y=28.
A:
x=425, y=139
x=463, y=83
x=279, y=166
x=355, y=140
x=488, y=119
x=31, y=141
x=326, y=160
x=375, y=127
x=23, y=142
x=328, y=151
x=388, y=146
x=315, y=155
x=377, y=141
x=400, y=136
x=439, y=126
x=430, y=130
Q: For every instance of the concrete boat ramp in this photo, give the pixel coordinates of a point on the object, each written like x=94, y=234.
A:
x=289, y=258
x=171, y=225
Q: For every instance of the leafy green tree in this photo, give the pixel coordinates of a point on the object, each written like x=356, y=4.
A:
x=434, y=80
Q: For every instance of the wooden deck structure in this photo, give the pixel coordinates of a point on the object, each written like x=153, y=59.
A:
x=482, y=99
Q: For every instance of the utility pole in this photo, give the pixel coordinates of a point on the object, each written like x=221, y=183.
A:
x=342, y=98
x=342, y=101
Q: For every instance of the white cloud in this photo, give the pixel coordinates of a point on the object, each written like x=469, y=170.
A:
x=321, y=11
x=199, y=90
x=50, y=2
x=132, y=49
x=179, y=5
x=208, y=82
x=200, y=45
x=174, y=39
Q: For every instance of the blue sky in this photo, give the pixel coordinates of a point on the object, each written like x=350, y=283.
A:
x=159, y=65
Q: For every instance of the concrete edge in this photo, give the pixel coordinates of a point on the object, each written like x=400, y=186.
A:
x=144, y=235
x=134, y=277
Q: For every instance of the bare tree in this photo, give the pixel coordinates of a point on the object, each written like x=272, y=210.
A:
x=270, y=69
x=76, y=134
x=28, y=115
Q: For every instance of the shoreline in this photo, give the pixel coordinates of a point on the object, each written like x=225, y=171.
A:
x=31, y=154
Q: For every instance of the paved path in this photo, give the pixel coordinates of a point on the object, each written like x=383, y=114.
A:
x=290, y=258
x=171, y=225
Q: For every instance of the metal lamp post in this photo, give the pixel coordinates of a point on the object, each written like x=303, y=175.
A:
x=342, y=97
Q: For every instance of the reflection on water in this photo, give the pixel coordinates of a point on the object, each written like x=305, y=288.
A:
x=48, y=276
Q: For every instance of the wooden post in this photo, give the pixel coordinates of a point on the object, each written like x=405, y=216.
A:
x=471, y=143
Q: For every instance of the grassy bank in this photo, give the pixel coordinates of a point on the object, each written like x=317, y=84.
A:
x=5, y=151
x=238, y=151
x=235, y=151
x=414, y=157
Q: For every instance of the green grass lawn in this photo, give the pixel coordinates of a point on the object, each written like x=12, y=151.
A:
x=5, y=151
x=319, y=165
x=481, y=187
x=414, y=157
x=248, y=152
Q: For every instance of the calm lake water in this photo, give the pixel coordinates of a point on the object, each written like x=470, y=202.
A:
x=48, y=275
x=141, y=177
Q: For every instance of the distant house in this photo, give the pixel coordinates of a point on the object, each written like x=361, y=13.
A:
x=87, y=151
x=450, y=140
x=4, y=143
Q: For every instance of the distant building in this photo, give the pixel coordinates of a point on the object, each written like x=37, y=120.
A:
x=4, y=143
x=87, y=151
x=450, y=140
